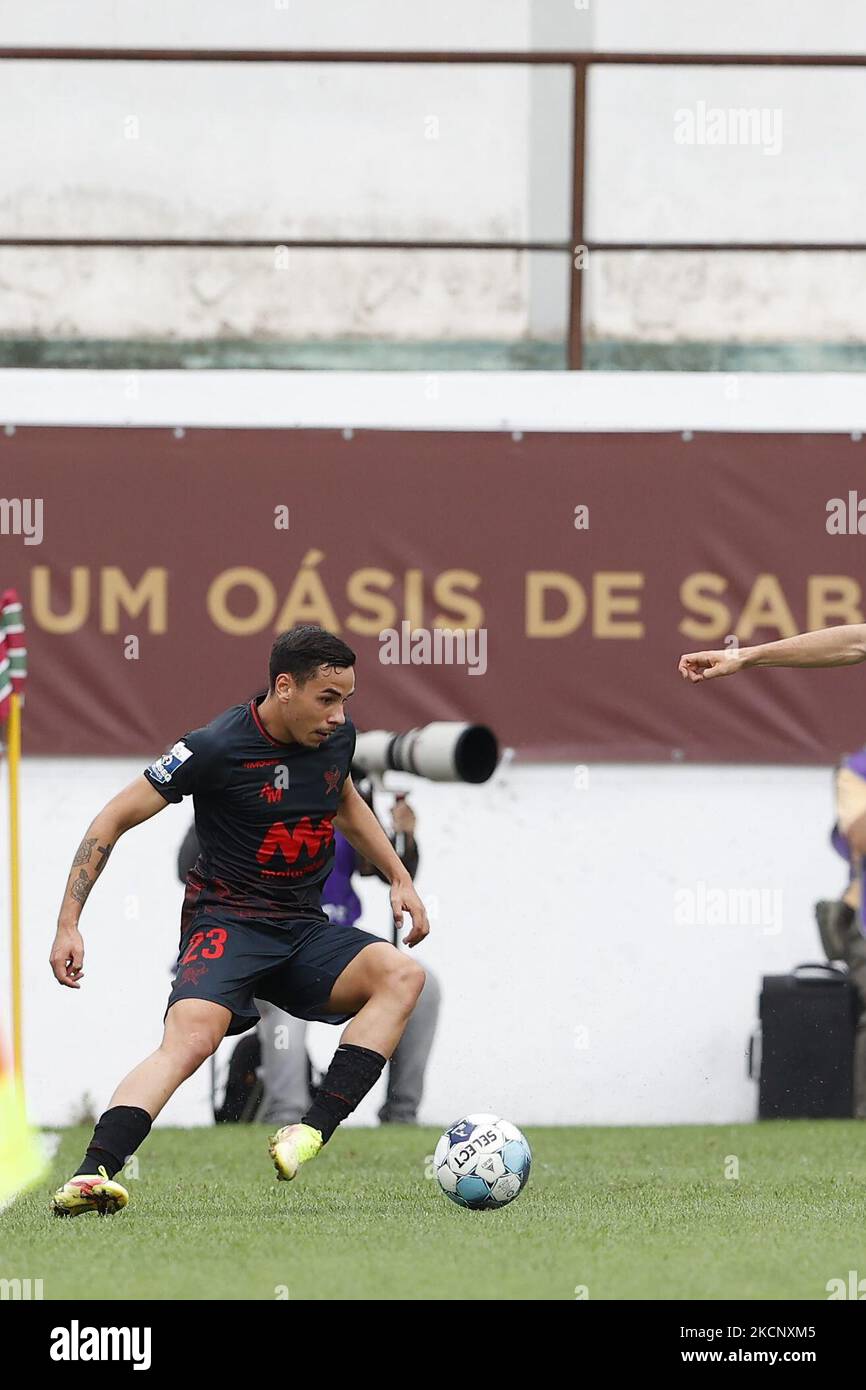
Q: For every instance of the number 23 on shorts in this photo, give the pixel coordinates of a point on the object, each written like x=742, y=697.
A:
x=217, y=938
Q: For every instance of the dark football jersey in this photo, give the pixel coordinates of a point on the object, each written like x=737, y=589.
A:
x=264, y=811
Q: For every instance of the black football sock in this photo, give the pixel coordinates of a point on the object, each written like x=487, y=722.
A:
x=352, y=1073
x=118, y=1133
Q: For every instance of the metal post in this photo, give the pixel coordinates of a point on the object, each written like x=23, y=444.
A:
x=578, y=166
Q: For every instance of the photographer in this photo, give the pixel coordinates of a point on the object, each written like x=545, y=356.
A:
x=841, y=923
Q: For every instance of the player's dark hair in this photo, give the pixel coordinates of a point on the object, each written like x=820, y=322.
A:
x=303, y=649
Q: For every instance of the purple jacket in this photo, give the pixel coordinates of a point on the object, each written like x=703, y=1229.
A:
x=339, y=898
x=857, y=763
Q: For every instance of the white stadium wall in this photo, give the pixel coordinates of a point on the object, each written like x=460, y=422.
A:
x=574, y=991
x=571, y=995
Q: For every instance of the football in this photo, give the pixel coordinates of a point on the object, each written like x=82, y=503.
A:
x=482, y=1162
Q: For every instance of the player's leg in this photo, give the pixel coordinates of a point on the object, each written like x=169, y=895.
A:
x=193, y=1030
x=286, y=1091
x=409, y=1060
x=380, y=986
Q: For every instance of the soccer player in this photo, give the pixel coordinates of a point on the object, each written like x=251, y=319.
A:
x=828, y=646
x=270, y=780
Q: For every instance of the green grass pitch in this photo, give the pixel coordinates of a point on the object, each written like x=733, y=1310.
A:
x=620, y=1213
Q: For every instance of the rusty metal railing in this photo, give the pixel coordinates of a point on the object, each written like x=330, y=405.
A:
x=579, y=62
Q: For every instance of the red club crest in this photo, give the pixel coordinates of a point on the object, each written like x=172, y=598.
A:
x=192, y=974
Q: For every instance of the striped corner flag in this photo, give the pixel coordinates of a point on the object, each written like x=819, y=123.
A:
x=13, y=653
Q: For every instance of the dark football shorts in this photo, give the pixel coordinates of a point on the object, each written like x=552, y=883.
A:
x=232, y=962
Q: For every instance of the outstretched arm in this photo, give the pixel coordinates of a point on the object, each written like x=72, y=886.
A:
x=828, y=646
x=136, y=803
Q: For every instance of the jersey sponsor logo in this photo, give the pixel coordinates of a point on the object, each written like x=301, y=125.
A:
x=165, y=767
x=271, y=793
x=290, y=842
x=332, y=778
x=262, y=762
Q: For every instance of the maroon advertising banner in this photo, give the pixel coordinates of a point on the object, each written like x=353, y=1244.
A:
x=543, y=584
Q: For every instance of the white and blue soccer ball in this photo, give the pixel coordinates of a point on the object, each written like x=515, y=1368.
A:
x=482, y=1162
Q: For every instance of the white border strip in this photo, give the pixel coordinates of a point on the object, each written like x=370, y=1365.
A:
x=566, y=401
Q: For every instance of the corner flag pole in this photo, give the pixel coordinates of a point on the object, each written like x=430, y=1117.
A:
x=22, y=1162
x=13, y=673
x=13, y=744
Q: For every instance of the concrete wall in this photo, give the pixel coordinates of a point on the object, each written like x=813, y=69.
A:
x=431, y=152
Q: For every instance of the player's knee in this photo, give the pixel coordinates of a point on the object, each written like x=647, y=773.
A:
x=191, y=1038
x=405, y=979
x=192, y=1047
x=202, y=1045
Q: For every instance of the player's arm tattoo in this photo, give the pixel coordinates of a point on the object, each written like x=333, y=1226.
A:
x=104, y=850
x=81, y=886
